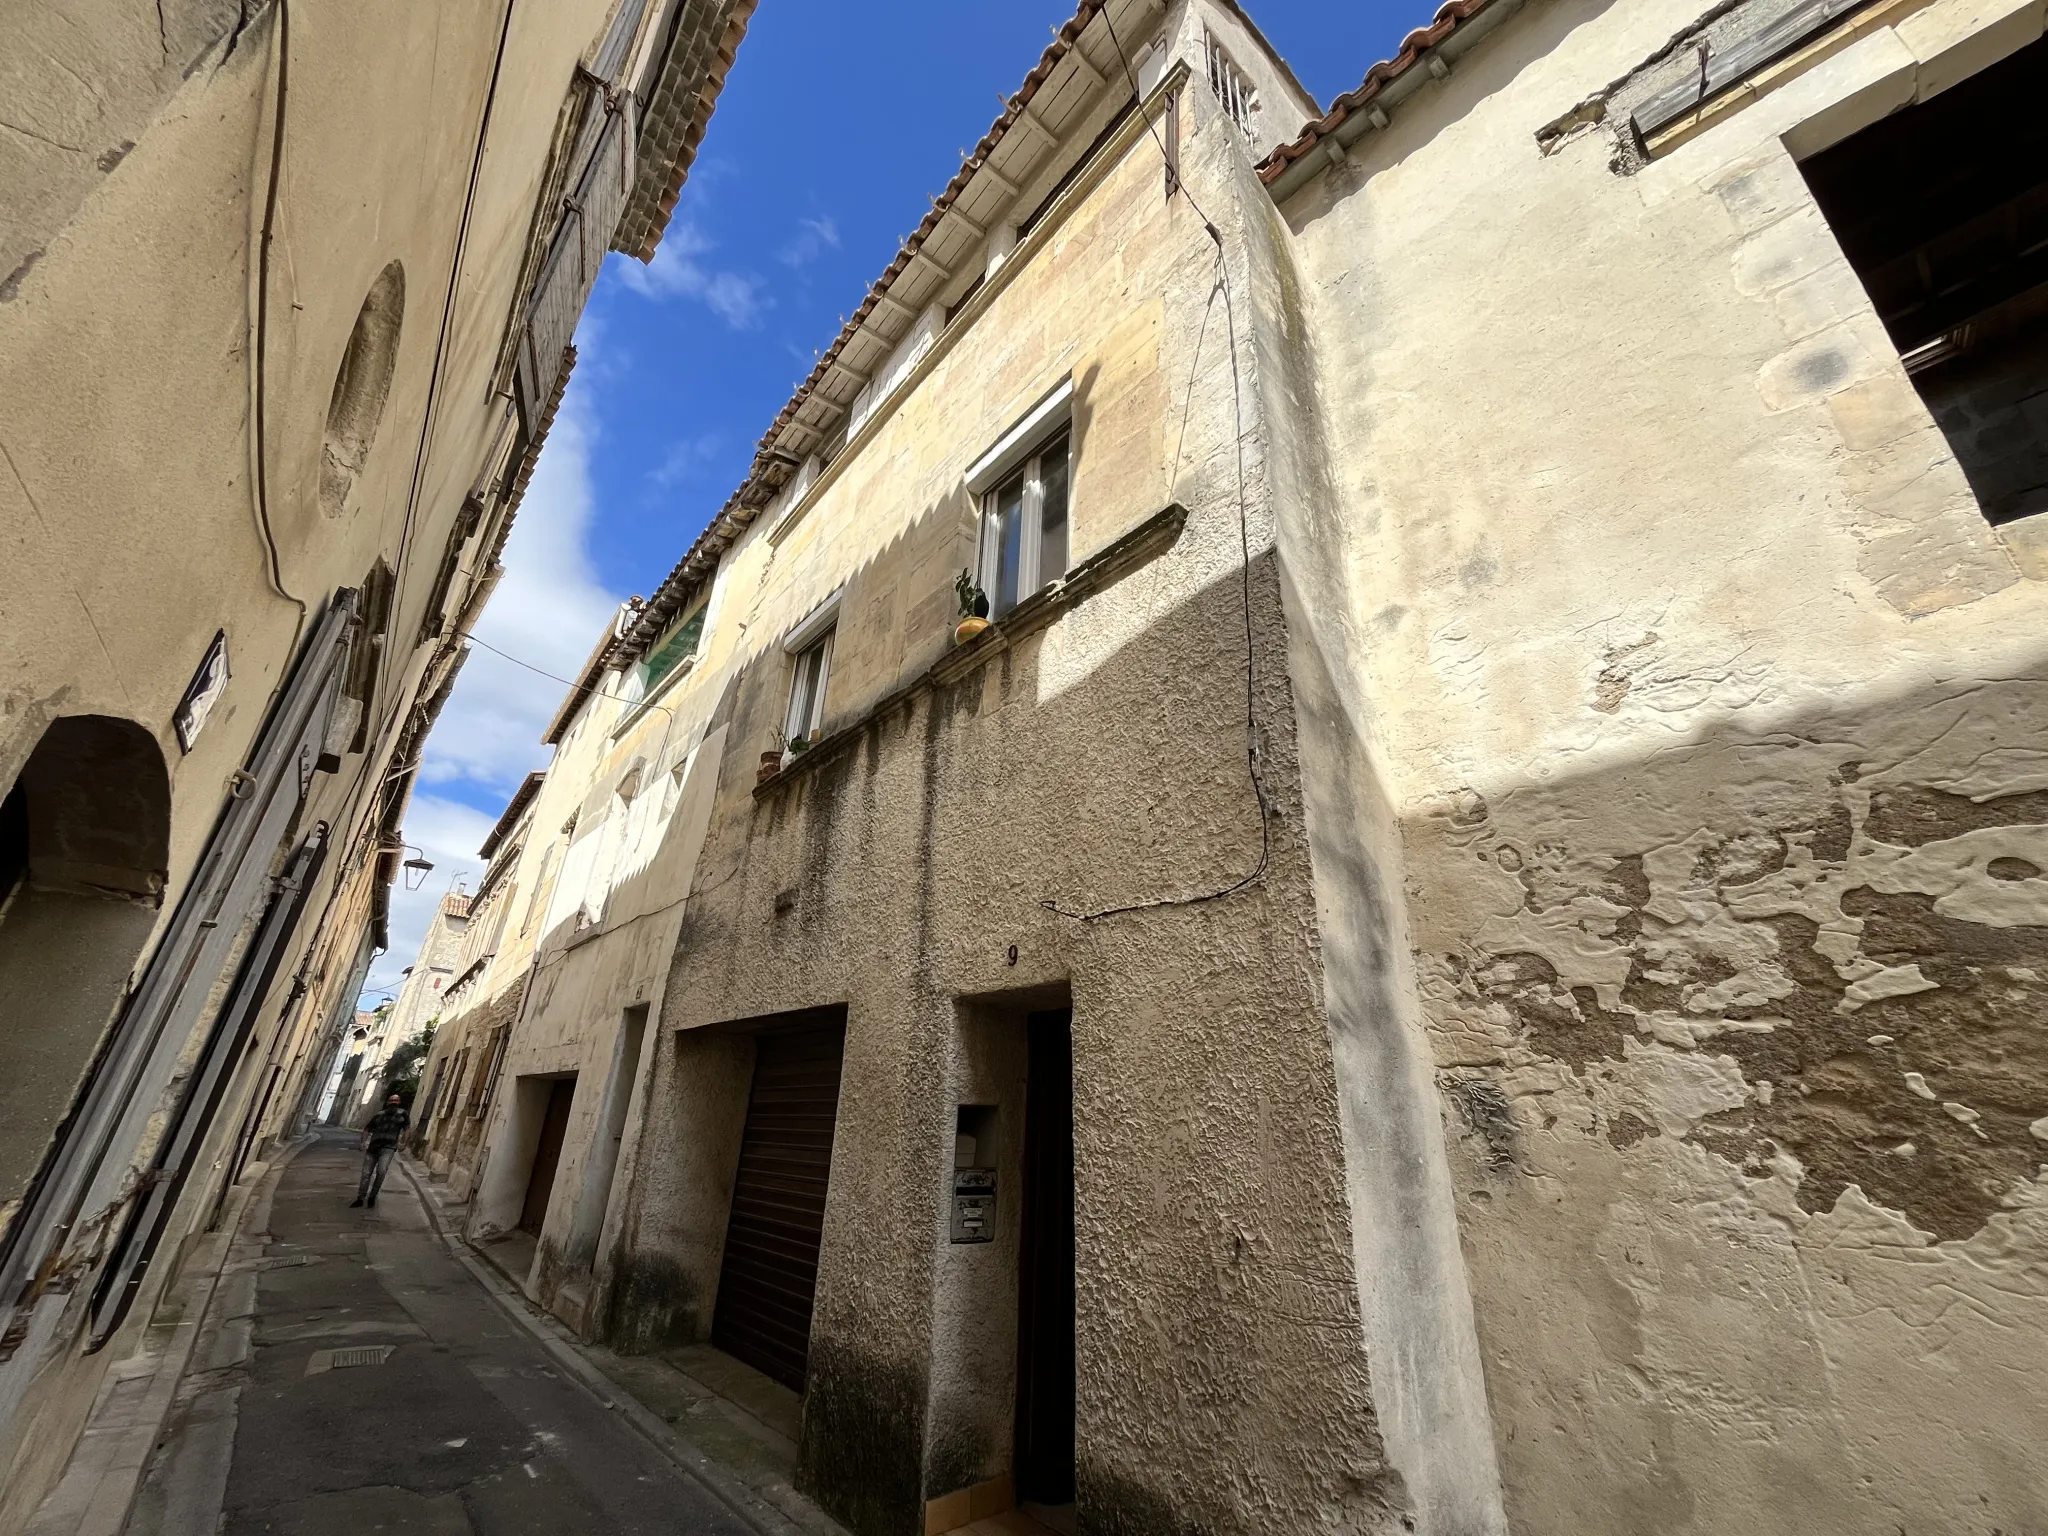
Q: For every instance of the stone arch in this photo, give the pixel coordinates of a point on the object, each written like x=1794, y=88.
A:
x=85, y=834
x=362, y=387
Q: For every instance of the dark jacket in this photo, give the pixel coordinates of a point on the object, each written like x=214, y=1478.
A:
x=386, y=1126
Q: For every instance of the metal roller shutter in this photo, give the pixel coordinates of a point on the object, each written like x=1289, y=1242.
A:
x=770, y=1269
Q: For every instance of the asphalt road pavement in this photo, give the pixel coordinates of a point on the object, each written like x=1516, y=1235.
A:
x=440, y=1414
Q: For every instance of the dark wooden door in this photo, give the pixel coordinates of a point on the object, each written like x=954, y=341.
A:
x=770, y=1270
x=1044, y=1459
x=547, y=1154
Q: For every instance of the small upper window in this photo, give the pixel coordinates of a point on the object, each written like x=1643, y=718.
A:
x=1024, y=526
x=1235, y=92
x=676, y=646
x=807, y=688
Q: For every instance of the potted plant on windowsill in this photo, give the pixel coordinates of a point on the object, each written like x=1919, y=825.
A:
x=973, y=609
x=771, y=760
x=798, y=746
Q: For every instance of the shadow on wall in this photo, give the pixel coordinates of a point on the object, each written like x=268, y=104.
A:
x=1528, y=38
x=892, y=873
x=657, y=1286
x=84, y=856
x=1759, y=1014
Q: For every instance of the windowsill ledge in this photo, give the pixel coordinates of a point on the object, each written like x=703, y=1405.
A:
x=1100, y=571
x=1091, y=174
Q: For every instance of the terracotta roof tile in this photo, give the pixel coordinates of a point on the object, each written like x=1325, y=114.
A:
x=676, y=116
x=771, y=469
x=514, y=808
x=1449, y=18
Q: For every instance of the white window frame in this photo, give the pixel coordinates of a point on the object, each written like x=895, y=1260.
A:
x=1020, y=449
x=1032, y=576
x=806, y=711
x=810, y=639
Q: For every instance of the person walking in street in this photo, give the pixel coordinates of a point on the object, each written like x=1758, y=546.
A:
x=380, y=1141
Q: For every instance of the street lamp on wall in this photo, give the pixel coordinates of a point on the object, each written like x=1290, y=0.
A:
x=416, y=868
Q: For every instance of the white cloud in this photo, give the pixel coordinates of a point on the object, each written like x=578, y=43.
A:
x=549, y=611
x=734, y=297
x=684, y=458
x=814, y=236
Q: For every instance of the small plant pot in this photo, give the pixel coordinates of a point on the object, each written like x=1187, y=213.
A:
x=967, y=629
x=771, y=765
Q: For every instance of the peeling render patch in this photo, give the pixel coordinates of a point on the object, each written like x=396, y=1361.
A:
x=1838, y=973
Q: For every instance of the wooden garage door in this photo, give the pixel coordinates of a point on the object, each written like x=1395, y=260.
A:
x=778, y=1203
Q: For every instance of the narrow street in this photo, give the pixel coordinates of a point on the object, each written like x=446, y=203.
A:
x=384, y=1389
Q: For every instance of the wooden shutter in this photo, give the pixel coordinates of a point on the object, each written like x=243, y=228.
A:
x=770, y=1272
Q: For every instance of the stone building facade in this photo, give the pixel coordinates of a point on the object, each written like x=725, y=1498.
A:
x=1464, y=953
x=481, y=1001
x=420, y=1003
x=286, y=293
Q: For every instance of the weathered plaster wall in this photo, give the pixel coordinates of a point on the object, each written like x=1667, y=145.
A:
x=1703, y=695
x=1427, y=1380
x=638, y=782
x=82, y=84
x=127, y=362
x=454, y=1147
x=664, y=1273
x=1100, y=761
x=974, y=1285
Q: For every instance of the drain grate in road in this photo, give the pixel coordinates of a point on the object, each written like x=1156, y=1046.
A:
x=342, y=1359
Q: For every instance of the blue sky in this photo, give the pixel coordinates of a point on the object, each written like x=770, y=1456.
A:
x=839, y=123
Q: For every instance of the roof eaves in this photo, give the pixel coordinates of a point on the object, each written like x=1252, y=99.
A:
x=594, y=667
x=772, y=468
x=1452, y=17
x=521, y=474
x=514, y=808
x=678, y=111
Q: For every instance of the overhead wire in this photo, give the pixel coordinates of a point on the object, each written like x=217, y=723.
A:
x=1176, y=183
x=592, y=691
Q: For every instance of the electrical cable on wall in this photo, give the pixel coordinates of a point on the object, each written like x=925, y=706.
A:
x=430, y=411
x=274, y=568
x=1178, y=184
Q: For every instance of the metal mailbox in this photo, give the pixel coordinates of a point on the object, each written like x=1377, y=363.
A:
x=974, y=1205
